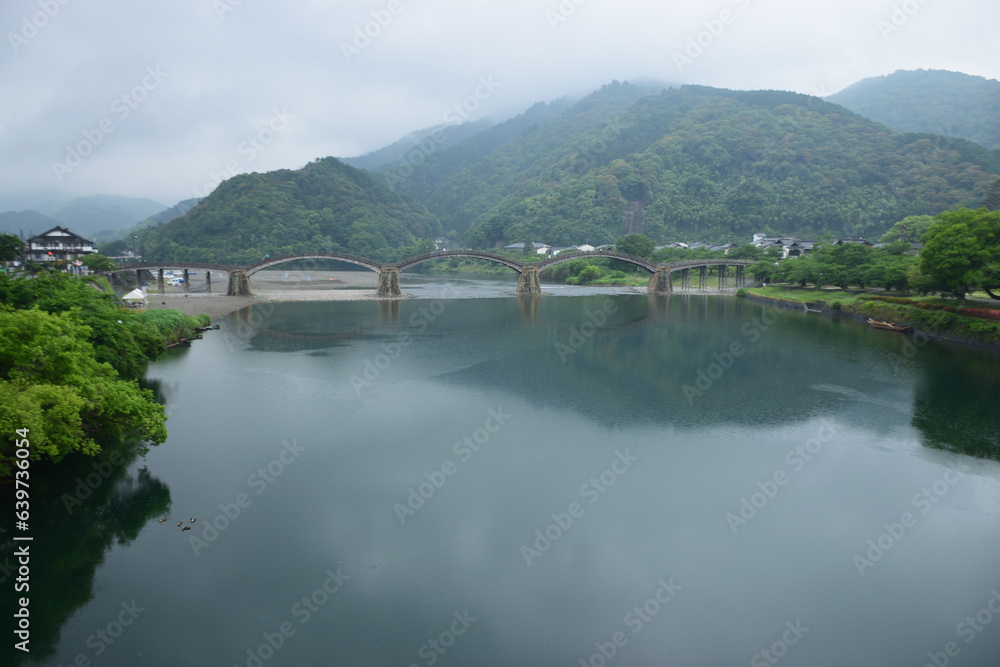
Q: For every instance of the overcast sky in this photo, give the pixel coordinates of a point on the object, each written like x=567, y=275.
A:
x=160, y=100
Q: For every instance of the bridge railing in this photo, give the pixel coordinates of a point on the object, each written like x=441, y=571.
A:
x=342, y=257
x=475, y=254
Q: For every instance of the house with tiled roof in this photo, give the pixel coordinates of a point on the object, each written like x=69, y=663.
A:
x=57, y=243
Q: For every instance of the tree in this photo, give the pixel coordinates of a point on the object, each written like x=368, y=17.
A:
x=11, y=248
x=992, y=202
x=52, y=384
x=910, y=229
x=635, y=244
x=98, y=262
x=529, y=245
x=962, y=252
x=589, y=274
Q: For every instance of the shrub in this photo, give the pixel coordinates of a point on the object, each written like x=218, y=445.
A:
x=589, y=274
x=984, y=313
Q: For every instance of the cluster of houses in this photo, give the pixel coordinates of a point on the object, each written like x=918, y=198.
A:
x=790, y=246
x=59, y=243
x=546, y=249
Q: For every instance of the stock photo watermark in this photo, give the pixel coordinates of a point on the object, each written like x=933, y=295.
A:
x=121, y=107
x=562, y=13
x=779, y=649
x=259, y=481
x=578, y=336
x=303, y=610
x=34, y=23
x=636, y=621
x=104, y=638
x=248, y=150
x=435, y=648
x=898, y=17
x=796, y=459
x=721, y=362
x=591, y=491
x=464, y=449
x=456, y=114
x=924, y=501
x=85, y=486
x=968, y=629
x=699, y=42
x=419, y=320
x=223, y=7
x=364, y=34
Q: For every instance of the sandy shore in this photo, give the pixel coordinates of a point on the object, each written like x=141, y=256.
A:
x=267, y=286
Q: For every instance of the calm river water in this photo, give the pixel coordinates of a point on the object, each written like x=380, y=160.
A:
x=467, y=478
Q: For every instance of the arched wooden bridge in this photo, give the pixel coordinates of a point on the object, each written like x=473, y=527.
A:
x=660, y=280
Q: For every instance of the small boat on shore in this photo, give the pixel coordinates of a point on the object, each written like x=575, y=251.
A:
x=887, y=326
x=208, y=328
x=180, y=343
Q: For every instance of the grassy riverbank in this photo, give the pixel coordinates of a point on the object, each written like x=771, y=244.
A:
x=963, y=321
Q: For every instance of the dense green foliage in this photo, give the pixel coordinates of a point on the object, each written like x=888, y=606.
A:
x=845, y=265
x=98, y=262
x=936, y=101
x=11, y=247
x=325, y=206
x=910, y=229
x=70, y=361
x=52, y=384
x=693, y=163
x=701, y=163
x=639, y=245
x=962, y=252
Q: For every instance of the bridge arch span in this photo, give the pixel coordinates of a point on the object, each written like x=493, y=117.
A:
x=488, y=256
x=350, y=259
x=602, y=254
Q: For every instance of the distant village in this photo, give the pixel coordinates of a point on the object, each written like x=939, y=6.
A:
x=790, y=246
x=60, y=243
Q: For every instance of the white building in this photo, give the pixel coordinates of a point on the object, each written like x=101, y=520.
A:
x=57, y=243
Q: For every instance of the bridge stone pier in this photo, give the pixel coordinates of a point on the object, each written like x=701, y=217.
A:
x=528, y=281
x=660, y=281
x=239, y=284
x=388, y=282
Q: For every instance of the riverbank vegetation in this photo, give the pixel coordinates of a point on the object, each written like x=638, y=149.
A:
x=71, y=361
x=941, y=318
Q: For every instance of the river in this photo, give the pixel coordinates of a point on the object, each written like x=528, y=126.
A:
x=599, y=477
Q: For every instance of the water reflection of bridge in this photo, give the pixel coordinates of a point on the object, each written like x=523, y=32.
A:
x=528, y=282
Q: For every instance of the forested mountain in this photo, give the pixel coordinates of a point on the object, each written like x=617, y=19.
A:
x=168, y=214
x=692, y=163
x=700, y=162
x=403, y=176
x=327, y=205
x=123, y=238
x=449, y=135
x=935, y=101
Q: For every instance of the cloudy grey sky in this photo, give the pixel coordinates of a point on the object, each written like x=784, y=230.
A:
x=160, y=100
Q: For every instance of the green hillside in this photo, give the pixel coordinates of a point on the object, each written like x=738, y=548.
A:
x=700, y=162
x=693, y=163
x=447, y=136
x=935, y=101
x=326, y=205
